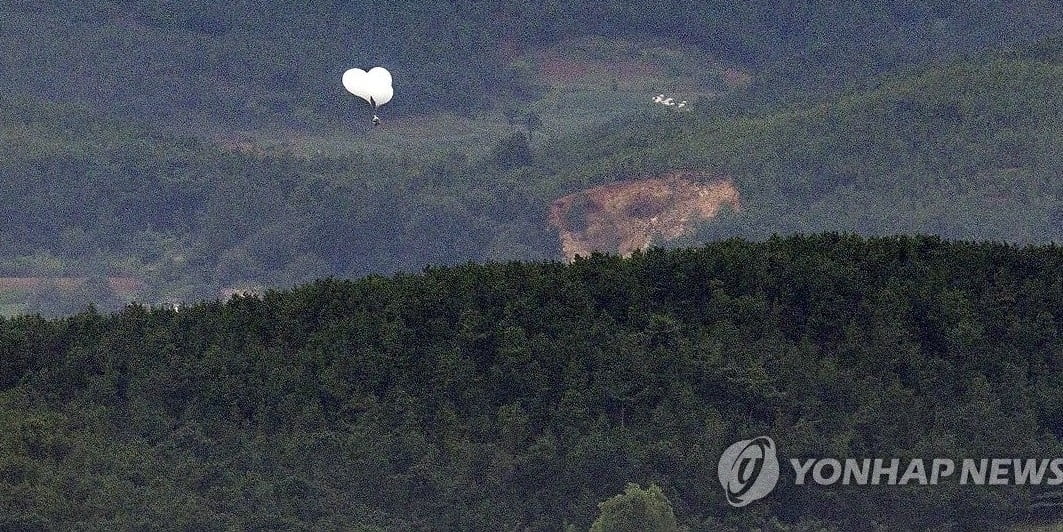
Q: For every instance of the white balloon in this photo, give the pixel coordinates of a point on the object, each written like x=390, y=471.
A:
x=381, y=73
x=373, y=86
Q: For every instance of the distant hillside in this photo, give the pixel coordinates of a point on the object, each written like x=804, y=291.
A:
x=966, y=149
x=209, y=64
x=520, y=395
x=205, y=65
x=98, y=197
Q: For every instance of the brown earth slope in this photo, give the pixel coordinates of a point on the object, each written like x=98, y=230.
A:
x=632, y=215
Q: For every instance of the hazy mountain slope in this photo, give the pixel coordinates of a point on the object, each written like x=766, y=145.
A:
x=208, y=64
x=236, y=64
x=967, y=149
x=100, y=197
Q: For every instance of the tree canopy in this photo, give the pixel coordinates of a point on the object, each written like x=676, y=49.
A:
x=511, y=395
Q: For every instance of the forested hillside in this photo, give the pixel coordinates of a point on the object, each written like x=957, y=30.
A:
x=967, y=149
x=230, y=301
x=96, y=197
x=514, y=395
x=185, y=150
x=228, y=64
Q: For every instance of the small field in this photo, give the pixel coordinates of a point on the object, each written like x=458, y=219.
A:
x=22, y=295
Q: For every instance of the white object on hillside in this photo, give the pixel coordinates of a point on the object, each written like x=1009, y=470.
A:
x=669, y=101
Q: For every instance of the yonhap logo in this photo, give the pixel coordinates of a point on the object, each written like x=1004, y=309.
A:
x=749, y=470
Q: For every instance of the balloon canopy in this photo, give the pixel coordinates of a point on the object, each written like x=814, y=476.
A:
x=373, y=86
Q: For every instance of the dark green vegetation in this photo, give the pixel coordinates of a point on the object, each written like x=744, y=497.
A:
x=523, y=394
x=520, y=395
x=636, y=510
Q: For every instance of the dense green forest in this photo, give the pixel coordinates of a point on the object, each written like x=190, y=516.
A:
x=520, y=395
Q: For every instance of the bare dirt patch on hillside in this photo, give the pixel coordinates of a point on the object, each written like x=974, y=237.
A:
x=633, y=215
x=736, y=79
x=558, y=70
x=630, y=65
